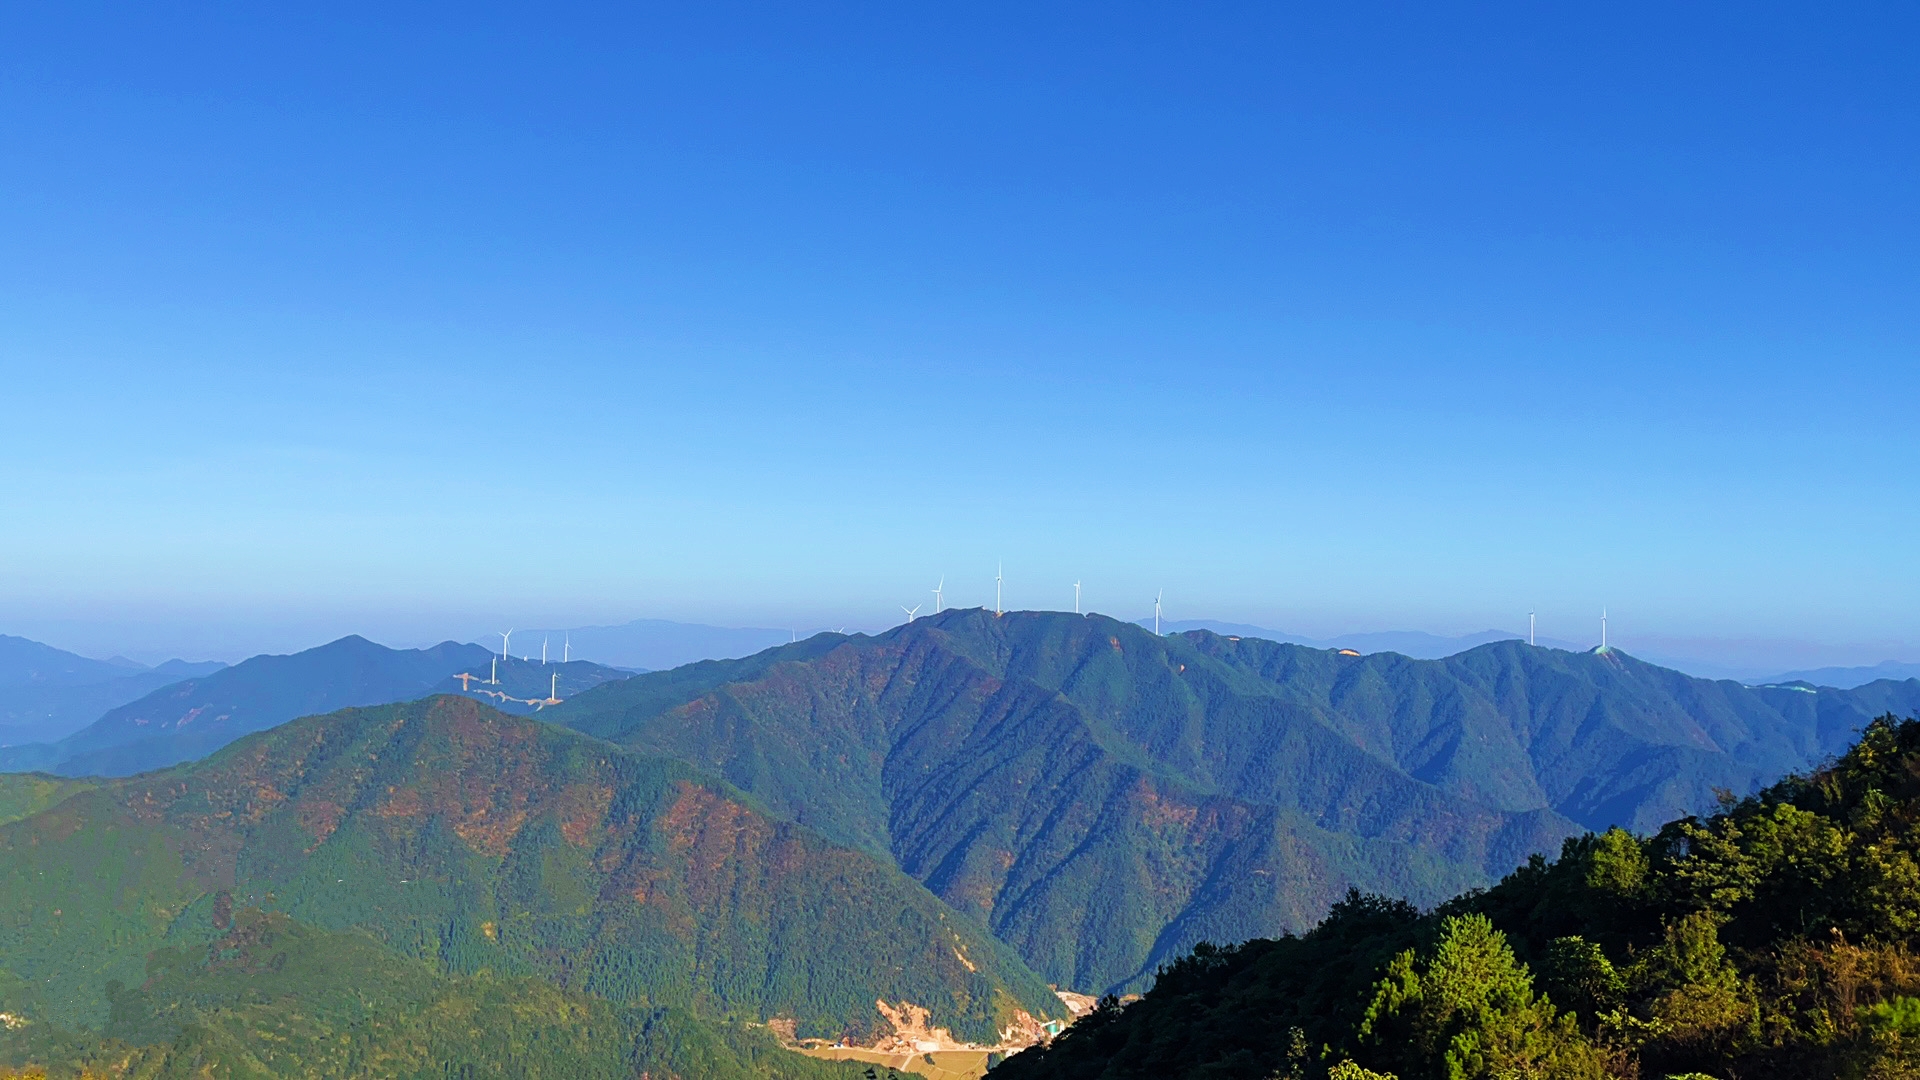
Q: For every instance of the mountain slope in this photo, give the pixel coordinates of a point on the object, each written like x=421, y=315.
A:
x=192, y=718
x=269, y=996
x=1029, y=771
x=1104, y=798
x=456, y=834
x=1774, y=938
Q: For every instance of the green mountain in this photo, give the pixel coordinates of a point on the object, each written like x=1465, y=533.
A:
x=474, y=841
x=1774, y=938
x=269, y=996
x=1103, y=798
x=194, y=717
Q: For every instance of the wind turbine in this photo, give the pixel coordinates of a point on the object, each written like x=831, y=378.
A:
x=553, y=691
x=1603, y=629
x=1529, y=626
x=936, y=593
x=997, y=610
x=566, y=650
x=505, y=640
x=1156, y=611
x=543, y=651
x=912, y=612
x=1076, y=598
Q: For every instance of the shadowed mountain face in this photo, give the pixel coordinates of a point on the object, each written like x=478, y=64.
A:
x=1104, y=798
x=453, y=833
x=194, y=717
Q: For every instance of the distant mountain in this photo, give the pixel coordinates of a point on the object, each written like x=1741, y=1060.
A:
x=1847, y=678
x=188, y=719
x=525, y=687
x=43, y=712
x=450, y=834
x=655, y=644
x=1103, y=798
x=29, y=663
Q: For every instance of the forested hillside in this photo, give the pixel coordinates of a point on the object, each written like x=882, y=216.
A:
x=1774, y=938
x=474, y=841
x=268, y=996
x=1104, y=798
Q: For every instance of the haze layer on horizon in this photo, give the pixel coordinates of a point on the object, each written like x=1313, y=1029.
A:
x=402, y=321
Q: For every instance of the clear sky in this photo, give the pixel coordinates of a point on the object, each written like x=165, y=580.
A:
x=410, y=319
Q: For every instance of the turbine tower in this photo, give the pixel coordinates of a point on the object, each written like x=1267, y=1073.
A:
x=505, y=639
x=1529, y=627
x=936, y=593
x=1603, y=629
x=1156, y=611
x=1076, y=598
x=566, y=649
x=912, y=612
x=543, y=650
x=997, y=610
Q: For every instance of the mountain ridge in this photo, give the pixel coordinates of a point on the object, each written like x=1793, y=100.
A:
x=955, y=743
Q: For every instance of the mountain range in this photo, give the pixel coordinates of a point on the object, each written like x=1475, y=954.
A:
x=828, y=834
x=190, y=718
x=1103, y=798
x=1846, y=678
x=47, y=693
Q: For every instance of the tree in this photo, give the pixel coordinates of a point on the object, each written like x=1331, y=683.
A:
x=1470, y=1012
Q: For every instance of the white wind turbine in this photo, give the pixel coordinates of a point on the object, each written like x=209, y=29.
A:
x=566, y=649
x=1076, y=598
x=543, y=650
x=912, y=612
x=505, y=640
x=936, y=593
x=997, y=610
x=1529, y=626
x=1156, y=611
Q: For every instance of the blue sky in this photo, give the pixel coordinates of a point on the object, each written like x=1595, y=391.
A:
x=410, y=319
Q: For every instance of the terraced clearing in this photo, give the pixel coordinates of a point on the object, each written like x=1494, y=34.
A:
x=937, y=1065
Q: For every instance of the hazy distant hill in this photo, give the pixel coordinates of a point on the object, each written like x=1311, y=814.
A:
x=1846, y=678
x=29, y=663
x=1103, y=798
x=188, y=719
x=44, y=713
x=454, y=834
x=47, y=693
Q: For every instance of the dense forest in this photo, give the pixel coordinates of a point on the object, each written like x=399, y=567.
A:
x=268, y=996
x=1774, y=938
x=1102, y=798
